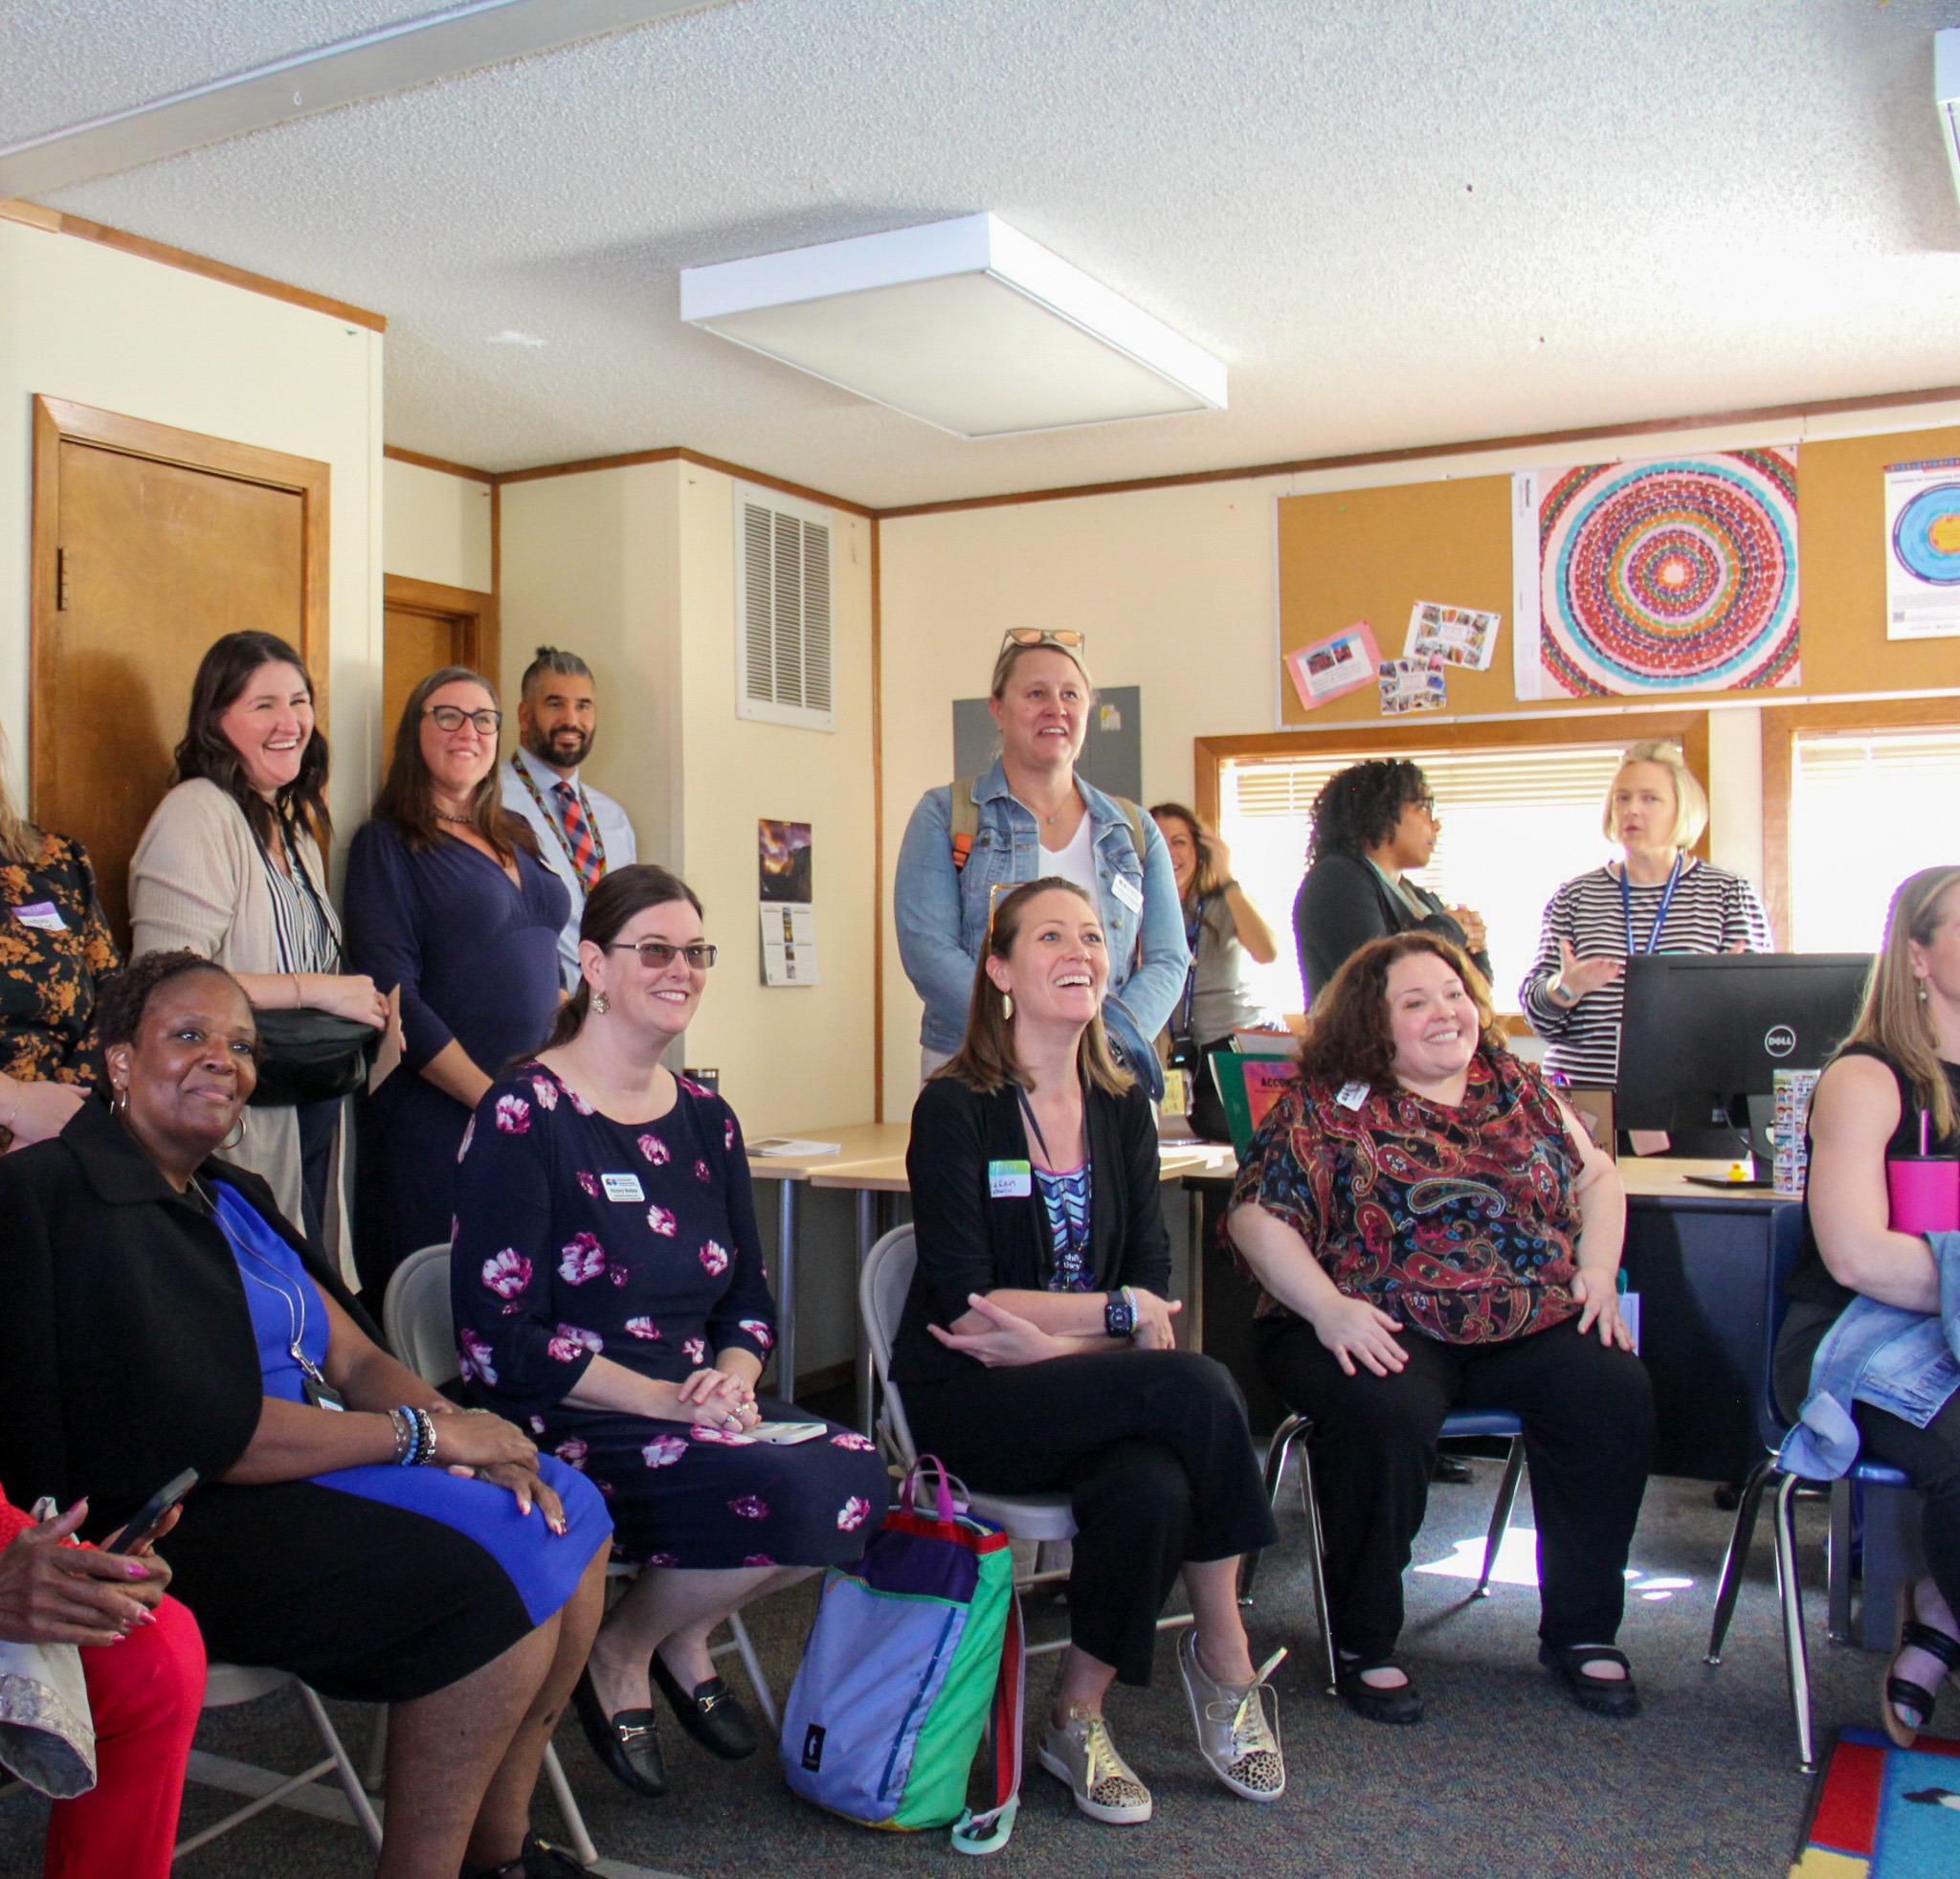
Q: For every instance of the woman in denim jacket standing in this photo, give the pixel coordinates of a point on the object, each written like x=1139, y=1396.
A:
x=1035, y=816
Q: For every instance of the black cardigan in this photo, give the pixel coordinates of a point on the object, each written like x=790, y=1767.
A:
x=126, y=1347
x=970, y=1242
x=1343, y=903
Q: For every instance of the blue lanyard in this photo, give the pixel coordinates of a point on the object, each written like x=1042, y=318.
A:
x=1626, y=906
x=1078, y=1248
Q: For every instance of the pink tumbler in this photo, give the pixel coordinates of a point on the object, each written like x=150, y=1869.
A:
x=1924, y=1191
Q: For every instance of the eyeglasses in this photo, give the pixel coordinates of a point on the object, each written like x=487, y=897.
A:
x=657, y=956
x=1039, y=635
x=453, y=717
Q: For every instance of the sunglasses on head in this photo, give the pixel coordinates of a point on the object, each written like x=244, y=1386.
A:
x=1040, y=635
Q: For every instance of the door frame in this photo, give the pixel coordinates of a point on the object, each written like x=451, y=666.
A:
x=58, y=421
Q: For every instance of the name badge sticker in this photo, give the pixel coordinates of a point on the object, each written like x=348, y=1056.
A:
x=622, y=1187
x=1351, y=1095
x=1127, y=892
x=1010, y=1180
x=44, y=915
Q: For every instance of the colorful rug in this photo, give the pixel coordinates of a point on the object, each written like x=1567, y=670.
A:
x=1885, y=1812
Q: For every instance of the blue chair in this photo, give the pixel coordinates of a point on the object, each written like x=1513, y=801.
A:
x=1786, y=1244
x=1298, y=1431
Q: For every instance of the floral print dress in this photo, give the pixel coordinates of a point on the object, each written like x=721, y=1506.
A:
x=577, y=1235
x=55, y=952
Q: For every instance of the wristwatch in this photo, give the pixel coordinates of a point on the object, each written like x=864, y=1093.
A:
x=1120, y=1313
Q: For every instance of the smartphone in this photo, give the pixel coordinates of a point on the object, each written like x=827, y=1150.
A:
x=786, y=1435
x=143, y=1525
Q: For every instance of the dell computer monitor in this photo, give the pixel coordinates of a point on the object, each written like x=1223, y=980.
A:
x=1704, y=1034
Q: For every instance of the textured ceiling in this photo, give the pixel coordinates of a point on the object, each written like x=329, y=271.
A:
x=1398, y=222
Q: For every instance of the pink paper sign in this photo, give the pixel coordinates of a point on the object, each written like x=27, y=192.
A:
x=1342, y=662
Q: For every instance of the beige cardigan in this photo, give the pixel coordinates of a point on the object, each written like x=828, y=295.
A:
x=196, y=880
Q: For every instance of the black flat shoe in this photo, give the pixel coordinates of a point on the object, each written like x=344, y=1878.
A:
x=1452, y=1470
x=626, y=1741
x=709, y=1713
x=1399, y=1704
x=539, y=1860
x=1600, y=1696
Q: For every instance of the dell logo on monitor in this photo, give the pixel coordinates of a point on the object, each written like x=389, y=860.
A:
x=1779, y=1040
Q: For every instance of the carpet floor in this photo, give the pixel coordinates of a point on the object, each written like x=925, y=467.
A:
x=1506, y=1779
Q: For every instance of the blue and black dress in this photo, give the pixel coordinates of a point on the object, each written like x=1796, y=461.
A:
x=377, y=1584
x=577, y=1235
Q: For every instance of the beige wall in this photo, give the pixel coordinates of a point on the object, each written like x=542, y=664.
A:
x=87, y=323
x=434, y=527
x=1176, y=589
x=634, y=569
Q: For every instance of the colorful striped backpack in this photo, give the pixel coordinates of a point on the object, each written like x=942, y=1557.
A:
x=915, y=1646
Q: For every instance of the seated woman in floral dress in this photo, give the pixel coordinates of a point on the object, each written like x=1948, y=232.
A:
x=609, y=1291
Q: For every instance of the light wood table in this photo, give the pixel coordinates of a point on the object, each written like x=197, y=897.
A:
x=882, y=1174
x=1657, y=1174
x=855, y=1140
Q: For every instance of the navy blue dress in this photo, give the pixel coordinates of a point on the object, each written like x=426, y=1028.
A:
x=578, y=1234
x=477, y=961
x=380, y=1583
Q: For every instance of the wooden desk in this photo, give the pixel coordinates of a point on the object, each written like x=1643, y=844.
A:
x=884, y=1175
x=855, y=1140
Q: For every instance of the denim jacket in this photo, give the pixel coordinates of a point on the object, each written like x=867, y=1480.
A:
x=942, y=913
x=1908, y=1362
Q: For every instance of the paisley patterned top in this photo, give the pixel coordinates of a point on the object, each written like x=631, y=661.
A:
x=55, y=952
x=1462, y=1223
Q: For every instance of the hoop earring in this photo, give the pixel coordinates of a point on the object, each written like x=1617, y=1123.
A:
x=118, y=1102
x=601, y=1004
x=225, y=1148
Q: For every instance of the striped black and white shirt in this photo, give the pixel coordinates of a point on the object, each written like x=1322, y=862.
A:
x=1712, y=912
x=308, y=930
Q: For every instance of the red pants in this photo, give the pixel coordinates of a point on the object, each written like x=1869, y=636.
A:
x=145, y=1695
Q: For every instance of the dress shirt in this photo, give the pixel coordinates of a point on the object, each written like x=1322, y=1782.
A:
x=615, y=831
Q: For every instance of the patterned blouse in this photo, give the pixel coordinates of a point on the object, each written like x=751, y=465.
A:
x=1462, y=1223
x=55, y=952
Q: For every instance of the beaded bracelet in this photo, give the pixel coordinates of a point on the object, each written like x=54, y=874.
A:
x=405, y=1434
x=425, y=1449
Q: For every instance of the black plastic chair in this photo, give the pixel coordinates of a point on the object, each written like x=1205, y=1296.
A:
x=1786, y=1244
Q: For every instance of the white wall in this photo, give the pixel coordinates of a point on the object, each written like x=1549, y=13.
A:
x=88, y=323
x=434, y=527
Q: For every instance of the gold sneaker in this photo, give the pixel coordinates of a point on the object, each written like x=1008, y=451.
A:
x=1234, y=1734
x=1105, y=1788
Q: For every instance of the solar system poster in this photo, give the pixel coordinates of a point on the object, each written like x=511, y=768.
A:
x=1674, y=574
x=1923, y=549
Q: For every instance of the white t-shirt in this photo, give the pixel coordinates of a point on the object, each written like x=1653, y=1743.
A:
x=1076, y=863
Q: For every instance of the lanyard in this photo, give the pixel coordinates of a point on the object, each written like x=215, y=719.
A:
x=1078, y=1249
x=297, y=1320
x=1626, y=906
x=1193, y=928
x=556, y=821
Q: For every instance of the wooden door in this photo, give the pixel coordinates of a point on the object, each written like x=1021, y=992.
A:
x=426, y=626
x=149, y=545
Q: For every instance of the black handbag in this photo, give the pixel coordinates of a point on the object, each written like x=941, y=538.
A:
x=310, y=1057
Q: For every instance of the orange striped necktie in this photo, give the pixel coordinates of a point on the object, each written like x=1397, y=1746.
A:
x=578, y=831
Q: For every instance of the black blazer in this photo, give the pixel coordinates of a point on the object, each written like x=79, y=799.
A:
x=126, y=1350
x=1343, y=903
x=970, y=1242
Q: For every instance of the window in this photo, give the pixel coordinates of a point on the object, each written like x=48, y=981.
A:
x=1866, y=809
x=1517, y=822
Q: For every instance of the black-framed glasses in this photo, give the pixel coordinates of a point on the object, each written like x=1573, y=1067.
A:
x=1040, y=635
x=453, y=718
x=657, y=956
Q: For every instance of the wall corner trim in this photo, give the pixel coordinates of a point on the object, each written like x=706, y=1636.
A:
x=395, y=454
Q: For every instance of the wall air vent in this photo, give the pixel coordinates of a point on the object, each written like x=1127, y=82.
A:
x=782, y=611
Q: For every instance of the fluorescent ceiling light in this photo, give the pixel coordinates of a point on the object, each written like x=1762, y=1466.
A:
x=965, y=323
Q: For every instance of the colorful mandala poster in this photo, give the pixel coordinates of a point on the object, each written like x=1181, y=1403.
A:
x=1674, y=574
x=1923, y=549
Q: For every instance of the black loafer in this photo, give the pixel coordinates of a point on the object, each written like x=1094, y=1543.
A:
x=709, y=1712
x=1601, y=1697
x=626, y=1741
x=1400, y=1704
x=539, y=1860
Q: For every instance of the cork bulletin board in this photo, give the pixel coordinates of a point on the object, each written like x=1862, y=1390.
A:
x=1371, y=554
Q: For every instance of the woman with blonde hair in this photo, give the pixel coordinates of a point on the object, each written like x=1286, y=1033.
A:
x=1031, y=815
x=55, y=954
x=1037, y=1350
x=1659, y=898
x=1893, y=1089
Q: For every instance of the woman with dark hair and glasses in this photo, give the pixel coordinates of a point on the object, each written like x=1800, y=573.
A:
x=1374, y=823
x=233, y=866
x=609, y=1294
x=1030, y=815
x=448, y=904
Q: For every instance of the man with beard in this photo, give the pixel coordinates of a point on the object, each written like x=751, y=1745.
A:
x=582, y=833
